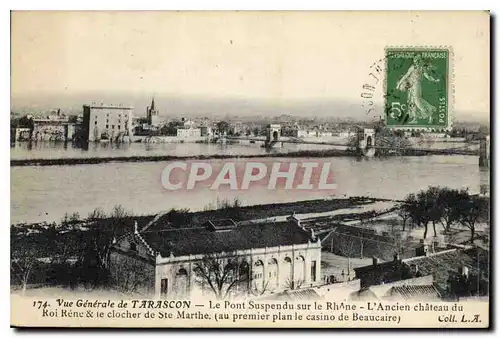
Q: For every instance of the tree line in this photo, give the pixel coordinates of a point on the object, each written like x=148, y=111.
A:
x=443, y=206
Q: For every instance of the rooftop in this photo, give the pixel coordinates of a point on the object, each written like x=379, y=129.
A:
x=440, y=265
x=95, y=105
x=415, y=291
x=295, y=295
x=224, y=236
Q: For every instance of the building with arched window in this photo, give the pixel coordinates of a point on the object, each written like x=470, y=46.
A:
x=220, y=257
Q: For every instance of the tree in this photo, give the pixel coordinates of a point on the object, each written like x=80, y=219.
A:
x=348, y=248
x=179, y=217
x=435, y=211
x=24, y=258
x=469, y=210
x=96, y=214
x=423, y=208
x=98, y=242
x=448, y=201
x=460, y=285
x=417, y=207
x=130, y=275
x=404, y=213
x=222, y=127
x=224, y=274
x=293, y=284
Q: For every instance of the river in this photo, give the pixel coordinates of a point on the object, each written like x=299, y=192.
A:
x=46, y=193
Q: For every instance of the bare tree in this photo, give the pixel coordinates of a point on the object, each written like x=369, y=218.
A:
x=257, y=290
x=98, y=242
x=24, y=258
x=292, y=284
x=129, y=276
x=224, y=274
x=96, y=214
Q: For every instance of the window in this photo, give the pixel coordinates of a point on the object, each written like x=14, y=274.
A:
x=119, y=127
x=164, y=288
x=107, y=126
x=113, y=126
x=313, y=271
x=95, y=123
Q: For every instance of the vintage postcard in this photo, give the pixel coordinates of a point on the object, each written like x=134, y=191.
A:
x=250, y=169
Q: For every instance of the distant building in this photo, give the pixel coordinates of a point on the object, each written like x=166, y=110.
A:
x=275, y=256
x=236, y=128
x=299, y=133
x=152, y=114
x=23, y=134
x=49, y=129
x=411, y=289
x=187, y=123
x=206, y=131
x=188, y=132
x=107, y=122
x=442, y=265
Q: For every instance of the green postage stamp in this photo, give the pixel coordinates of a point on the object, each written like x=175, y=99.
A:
x=417, y=88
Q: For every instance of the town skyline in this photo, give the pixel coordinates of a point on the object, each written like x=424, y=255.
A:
x=200, y=106
x=252, y=56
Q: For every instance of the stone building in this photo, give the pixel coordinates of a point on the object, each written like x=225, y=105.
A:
x=45, y=129
x=188, y=132
x=107, y=122
x=276, y=256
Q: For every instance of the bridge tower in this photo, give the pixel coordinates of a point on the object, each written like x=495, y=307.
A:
x=484, y=152
x=366, y=142
x=273, y=134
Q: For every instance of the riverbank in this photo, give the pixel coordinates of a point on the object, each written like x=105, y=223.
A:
x=64, y=253
x=165, y=158
x=239, y=213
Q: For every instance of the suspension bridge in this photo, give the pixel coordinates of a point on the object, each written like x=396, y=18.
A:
x=368, y=143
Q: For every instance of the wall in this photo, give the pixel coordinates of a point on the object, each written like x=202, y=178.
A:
x=188, y=132
x=299, y=274
x=49, y=131
x=113, y=120
x=132, y=272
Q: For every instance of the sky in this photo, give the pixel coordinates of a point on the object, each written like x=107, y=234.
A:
x=273, y=57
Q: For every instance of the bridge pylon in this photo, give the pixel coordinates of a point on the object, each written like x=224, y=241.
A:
x=366, y=142
x=273, y=134
x=484, y=152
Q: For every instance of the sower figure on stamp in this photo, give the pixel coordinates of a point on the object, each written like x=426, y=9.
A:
x=412, y=83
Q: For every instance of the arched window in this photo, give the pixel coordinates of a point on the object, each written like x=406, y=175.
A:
x=258, y=275
x=181, y=283
x=300, y=268
x=272, y=274
x=286, y=273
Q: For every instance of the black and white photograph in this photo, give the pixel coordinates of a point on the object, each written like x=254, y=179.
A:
x=321, y=169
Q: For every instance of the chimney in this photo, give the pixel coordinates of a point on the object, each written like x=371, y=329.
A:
x=313, y=236
x=464, y=271
x=294, y=219
x=396, y=257
x=136, y=229
x=375, y=261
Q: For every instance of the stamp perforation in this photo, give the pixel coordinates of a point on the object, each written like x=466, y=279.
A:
x=450, y=88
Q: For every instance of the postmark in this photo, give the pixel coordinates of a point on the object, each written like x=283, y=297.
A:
x=417, y=88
